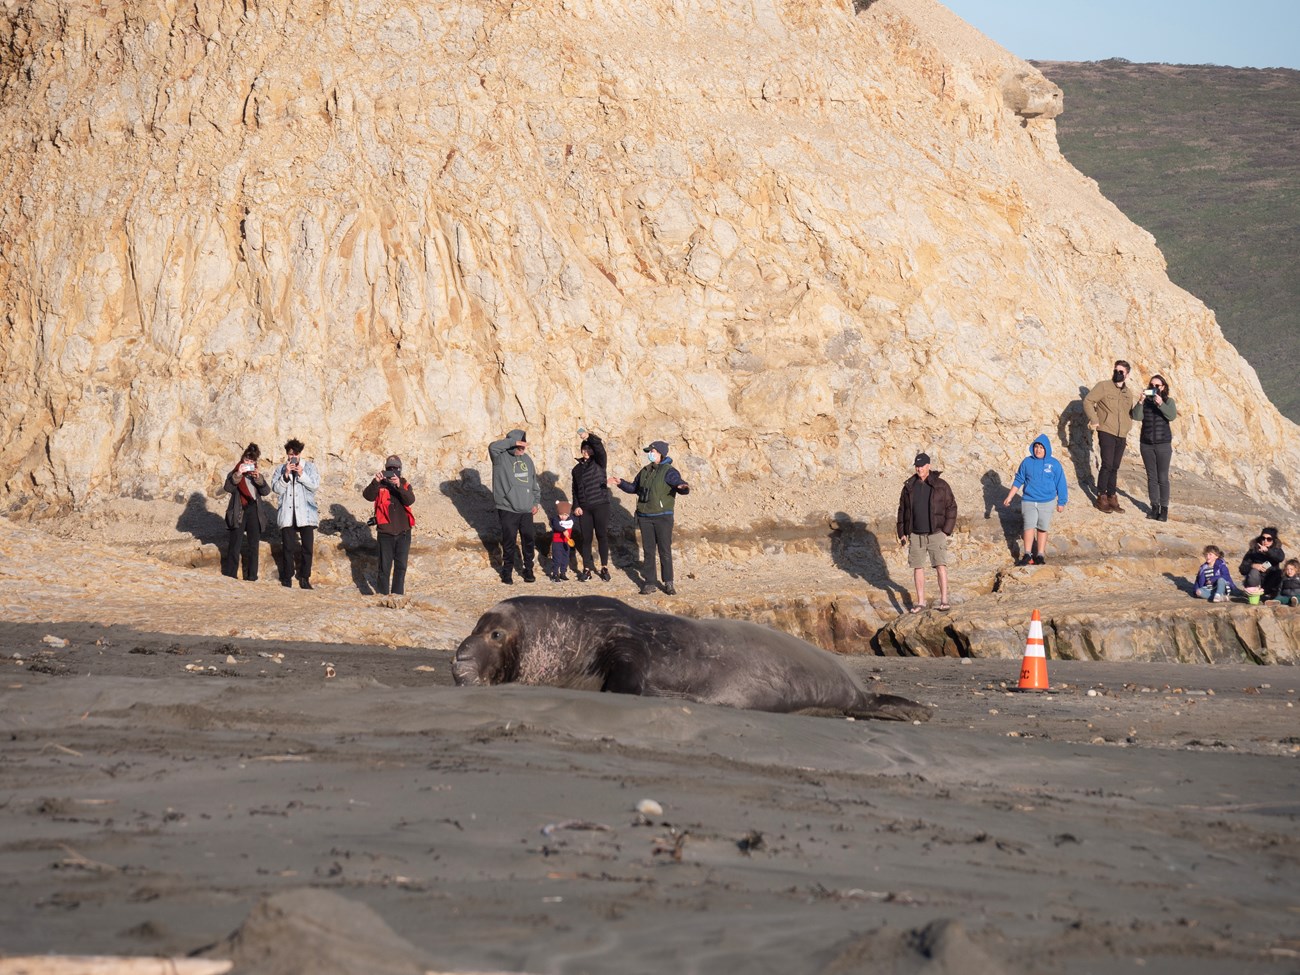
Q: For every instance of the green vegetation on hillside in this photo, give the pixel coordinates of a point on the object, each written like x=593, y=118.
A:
x=1208, y=160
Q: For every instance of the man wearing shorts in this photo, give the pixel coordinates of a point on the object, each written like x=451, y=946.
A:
x=927, y=515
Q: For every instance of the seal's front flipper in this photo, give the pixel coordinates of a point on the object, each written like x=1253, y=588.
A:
x=889, y=707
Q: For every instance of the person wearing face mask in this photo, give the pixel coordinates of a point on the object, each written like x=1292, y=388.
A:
x=1109, y=407
x=656, y=487
x=518, y=497
x=393, y=497
x=1155, y=409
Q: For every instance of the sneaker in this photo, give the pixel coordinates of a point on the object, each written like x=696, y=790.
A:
x=528, y=576
x=1218, y=597
x=604, y=572
x=1040, y=560
x=648, y=589
x=507, y=578
x=305, y=584
x=1025, y=560
x=670, y=589
x=287, y=584
x=583, y=576
x=563, y=577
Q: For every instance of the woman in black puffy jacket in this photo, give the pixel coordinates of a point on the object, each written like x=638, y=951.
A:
x=1155, y=409
x=591, y=506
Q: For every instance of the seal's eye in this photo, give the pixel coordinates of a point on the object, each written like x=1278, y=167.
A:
x=497, y=634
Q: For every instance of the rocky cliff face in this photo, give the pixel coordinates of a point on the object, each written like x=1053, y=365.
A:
x=797, y=238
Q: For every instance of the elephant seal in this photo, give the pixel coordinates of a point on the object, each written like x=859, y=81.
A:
x=598, y=643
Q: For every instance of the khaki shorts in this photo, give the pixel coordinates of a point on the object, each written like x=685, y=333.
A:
x=934, y=545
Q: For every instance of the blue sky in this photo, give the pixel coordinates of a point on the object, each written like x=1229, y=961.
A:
x=1246, y=34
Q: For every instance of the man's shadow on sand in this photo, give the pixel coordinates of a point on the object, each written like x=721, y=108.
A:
x=1074, y=437
x=855, y=549
x=358, y=544
x=995, y=492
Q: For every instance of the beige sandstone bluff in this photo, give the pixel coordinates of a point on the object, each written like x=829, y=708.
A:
x=797, y=238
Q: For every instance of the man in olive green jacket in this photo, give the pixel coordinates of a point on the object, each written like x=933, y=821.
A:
x=1108, y=407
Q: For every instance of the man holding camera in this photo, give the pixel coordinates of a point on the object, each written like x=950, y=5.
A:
x=295, y=483
x=393, y=499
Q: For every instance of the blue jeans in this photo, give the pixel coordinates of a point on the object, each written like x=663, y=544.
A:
x=1220, y=589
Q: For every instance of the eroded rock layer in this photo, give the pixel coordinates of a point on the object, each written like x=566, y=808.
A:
x=798, y=238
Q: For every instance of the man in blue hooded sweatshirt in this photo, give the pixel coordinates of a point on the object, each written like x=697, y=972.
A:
x=1040, y=482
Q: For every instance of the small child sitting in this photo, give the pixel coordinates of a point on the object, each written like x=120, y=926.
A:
x=1213, y=580
x=1289, y=593
x=561, y=540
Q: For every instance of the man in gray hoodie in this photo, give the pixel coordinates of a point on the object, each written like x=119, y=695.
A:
x=518, y=496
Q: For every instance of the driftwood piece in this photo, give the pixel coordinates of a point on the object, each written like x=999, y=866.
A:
x=109, y=965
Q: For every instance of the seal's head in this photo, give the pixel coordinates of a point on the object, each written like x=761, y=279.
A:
x=490, y=655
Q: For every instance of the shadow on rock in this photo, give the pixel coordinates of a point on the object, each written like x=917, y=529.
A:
x=995, y=493
x=357, y=541
x=855, y=549
x=1075, y=438
x=473, y=501
x=1183, y=584
x=206, y=526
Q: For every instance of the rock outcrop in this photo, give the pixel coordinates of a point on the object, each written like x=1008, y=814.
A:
x=798, y=238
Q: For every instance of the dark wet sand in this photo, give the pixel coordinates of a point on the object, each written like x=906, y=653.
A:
x=144, y=809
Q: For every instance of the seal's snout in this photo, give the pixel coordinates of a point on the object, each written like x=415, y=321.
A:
x=464, y=668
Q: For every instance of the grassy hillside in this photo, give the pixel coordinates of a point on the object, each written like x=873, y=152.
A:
x=1208, y=160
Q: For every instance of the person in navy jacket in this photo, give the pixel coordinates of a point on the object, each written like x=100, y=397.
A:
x=1040, y=482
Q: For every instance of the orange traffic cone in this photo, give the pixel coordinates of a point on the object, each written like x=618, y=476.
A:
x=1033, y=668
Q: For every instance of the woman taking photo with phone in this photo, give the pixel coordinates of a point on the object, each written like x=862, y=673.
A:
x=1156, y=409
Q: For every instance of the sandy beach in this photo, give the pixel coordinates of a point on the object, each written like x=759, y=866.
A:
x=1140, y=817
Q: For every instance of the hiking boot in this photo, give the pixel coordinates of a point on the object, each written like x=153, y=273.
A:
x=304, y=584
x=1164, y=512
x=648, y=589
x=1154, y=513
x=507, y=576
x=528, y=575
x=670, y=589
x=1102, y=502
x=1114, y=504
x=604, y=572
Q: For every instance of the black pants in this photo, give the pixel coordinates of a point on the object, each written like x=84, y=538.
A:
x=656, y=536
x=251, y=527
x=593, y=522
x=393, y=550
x=1155, y=457
x=517, y=527
x=295, y=552
x=1112, y=455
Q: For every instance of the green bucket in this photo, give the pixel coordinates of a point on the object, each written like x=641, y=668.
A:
x=1253, y=598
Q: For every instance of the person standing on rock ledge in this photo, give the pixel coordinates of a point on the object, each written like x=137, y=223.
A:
x=656, y=487
x=927, y=515
x=393, y=498
x=591, y=504
x=295, y=483
x=1155, y=410
x=244, y=515
x=518, y=496
x=1108, y=407
x=1040, y=481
